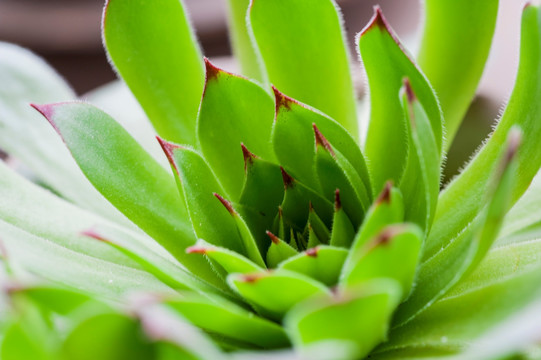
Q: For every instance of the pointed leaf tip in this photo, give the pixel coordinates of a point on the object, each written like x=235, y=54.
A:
x=322, y=141
x=212, y=71
x=247, y=154
x=94, y=235
x=275, y=239
x=312, y=252
x=282, y=101
x=197, y=249
x=409, y=91
x=385, y=196
x=47, y=110
x=377, y=20
x=337, y=201
x=252, y=278
x=226, y=203
x=168, y=149
x=288, y=180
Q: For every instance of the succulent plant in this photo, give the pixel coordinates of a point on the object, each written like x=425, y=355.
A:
x=291, y=225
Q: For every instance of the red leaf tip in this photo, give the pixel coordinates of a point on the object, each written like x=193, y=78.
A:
x=275, y=239
x=322, y=141
x=94, y=235
x=196, y=249
x=377, y=20
x=212, y=70
x=168, y=148
x=227, y=204
x=282, y=101
x=47, y=110
x=288, y=179
x=337, y=200
x=252, y=278
x=312, y=252
x=248, y=155
x=409, y=91
x=385, y=196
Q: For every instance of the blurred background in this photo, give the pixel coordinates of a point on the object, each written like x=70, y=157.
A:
x=67, y=34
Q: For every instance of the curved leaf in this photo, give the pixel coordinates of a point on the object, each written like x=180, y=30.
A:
x=169, y=90
x=304, y=52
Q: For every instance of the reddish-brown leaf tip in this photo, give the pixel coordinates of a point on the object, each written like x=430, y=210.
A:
x=212, y=70
x=252, y=278
x=282, y=101
x=409, y=91
x=337, y=200
x=248, y=156
x=227, y=204
x=385, y=196
x=196, y=249
x=47, y=110
x=312, y=252
x=387, y=234
x=275, y=239
x=288, y=180
x=377, y=20
x=169, y=148
x=322, y=141
x=94, y=235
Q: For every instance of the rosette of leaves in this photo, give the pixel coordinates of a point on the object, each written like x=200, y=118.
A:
x=282, y=230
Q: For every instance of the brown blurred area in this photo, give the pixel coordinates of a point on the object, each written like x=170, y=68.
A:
x=67, y=34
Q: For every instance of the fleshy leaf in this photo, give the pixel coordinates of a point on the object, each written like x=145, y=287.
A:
x=387, y=63
x=387, y=209
x=170, y=89
x=299, y=39
x=231, y=261
x=279, y=251
x=343, y=230
x=229, y=320
x=322, y=263
x=446, y=39
x=503, y=284
x=293, y=139
x=242, y=44
x=393, y=253
x=322, y=318
x=145, y=193
x=439, y=273
x=421, y=182
x=335, y=174
x=274, y=293
x=462, y=199
x=211, y=220
x=28, y=79
x=233, y=111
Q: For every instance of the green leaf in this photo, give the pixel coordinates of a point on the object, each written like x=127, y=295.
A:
x=211, y=220
x=293, y=139
x=462, y=200
x=322, y=319
x=334, y=174
x=229, y=320
x=305, y=54
x=393, y=253
x=387, y=209
x=231, y=261
x=322, y=263
x=170, y=89
x=233, y=111
x=107, y=336
x=453, y=28
x=421, y=181
x=244, y=48
x=387, y=64
x=343, y=231
x=278, y=251
x=439, y=273
x=274, y=293
x=506, y=281
x=28, y=79
x=145, y=193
